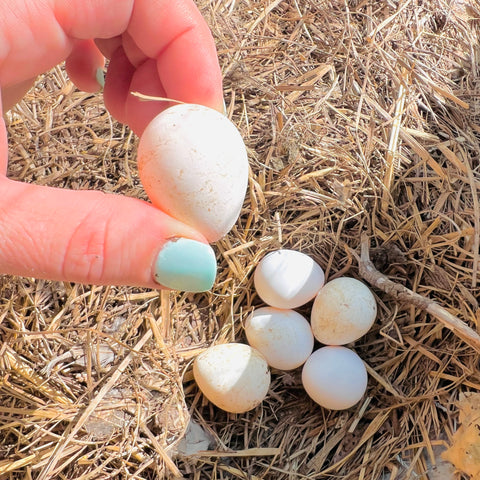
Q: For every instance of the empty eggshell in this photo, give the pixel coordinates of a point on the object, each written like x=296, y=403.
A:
x=335, y=377
x=287, y=278
x=233, y=376
x=193, y=165
x=343, y=311
x=283, y=337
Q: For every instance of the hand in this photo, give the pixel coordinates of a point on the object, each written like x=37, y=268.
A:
x=161, y=48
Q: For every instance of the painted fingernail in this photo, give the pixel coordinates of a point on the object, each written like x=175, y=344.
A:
x=186, y=265
x=100, y=76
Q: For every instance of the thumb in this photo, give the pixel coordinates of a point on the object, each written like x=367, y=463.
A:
x=96, y=238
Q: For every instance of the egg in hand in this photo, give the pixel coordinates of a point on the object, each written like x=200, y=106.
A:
x=193, y=165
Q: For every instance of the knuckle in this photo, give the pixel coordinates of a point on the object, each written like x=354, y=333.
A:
x=85, y=254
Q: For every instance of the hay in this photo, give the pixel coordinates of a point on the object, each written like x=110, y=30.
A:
x=360, y=117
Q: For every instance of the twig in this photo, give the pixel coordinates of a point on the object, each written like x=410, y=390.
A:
x=369, y=273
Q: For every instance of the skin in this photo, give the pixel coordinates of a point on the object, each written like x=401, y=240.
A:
x=156, y=47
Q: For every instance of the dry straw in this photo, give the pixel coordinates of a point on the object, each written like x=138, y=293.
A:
x=362, y=121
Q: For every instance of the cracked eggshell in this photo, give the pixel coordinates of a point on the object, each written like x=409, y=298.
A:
x=287, y=278
x=193, y=165
x=233, y=376
x=335, y=377
x=343, y=311
x=283, y=337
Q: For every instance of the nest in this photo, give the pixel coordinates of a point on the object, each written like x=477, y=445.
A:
x=361, y=119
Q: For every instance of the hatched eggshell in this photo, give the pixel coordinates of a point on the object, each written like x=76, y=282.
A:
x=287, y=278
x=233, y=376
x=193, y=165
x=335, y=377
x=343, y=311
x=283, y=337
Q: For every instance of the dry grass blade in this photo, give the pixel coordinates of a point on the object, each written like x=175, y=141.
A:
x=19, y=366
x=249, y=452
x=391, y=160
x=154, y=99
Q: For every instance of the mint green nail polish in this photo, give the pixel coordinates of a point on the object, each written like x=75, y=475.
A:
x=186, y=265
x=100, y=76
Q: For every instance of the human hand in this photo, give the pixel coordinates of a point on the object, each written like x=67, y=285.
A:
x=161, y=48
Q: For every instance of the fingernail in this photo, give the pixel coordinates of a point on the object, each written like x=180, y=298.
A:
x=186, y=265
x=100, y=76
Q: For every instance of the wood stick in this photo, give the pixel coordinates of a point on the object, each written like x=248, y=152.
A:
x=369, y=273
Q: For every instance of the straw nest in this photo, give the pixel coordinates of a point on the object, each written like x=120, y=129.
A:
x=362, y=123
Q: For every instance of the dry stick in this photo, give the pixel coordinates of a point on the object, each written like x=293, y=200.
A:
x=368, y=272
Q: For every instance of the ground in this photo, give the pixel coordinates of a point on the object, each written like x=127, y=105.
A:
x=360, y=117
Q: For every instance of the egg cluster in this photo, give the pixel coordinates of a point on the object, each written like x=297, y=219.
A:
x=236, y=377
x=193, y=164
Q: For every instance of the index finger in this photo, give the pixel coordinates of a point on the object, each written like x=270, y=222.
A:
x=175, y=34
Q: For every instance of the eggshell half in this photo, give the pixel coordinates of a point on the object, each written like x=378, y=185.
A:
x=283, y=337
x=193, y=165
x=335, y=377
x=287, y=278
x=233, y=376
x=343, y=311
